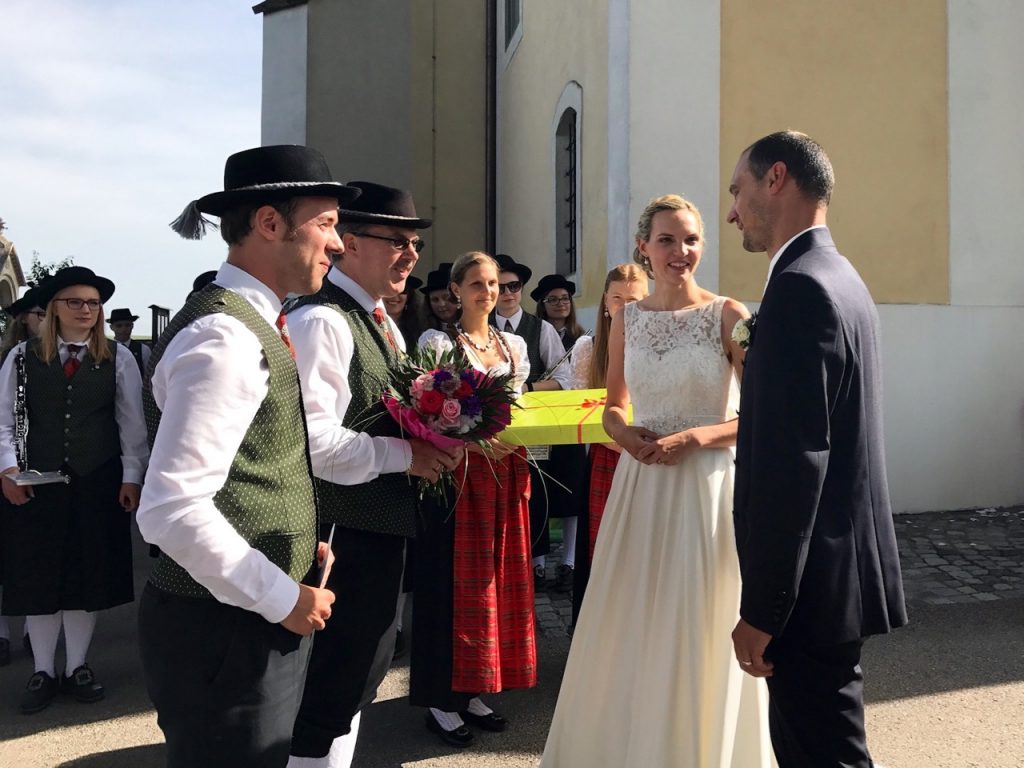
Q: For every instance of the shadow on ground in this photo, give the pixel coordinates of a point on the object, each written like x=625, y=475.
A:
x=148, y=756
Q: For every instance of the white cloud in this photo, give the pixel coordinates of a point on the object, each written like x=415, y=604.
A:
x=114, y=115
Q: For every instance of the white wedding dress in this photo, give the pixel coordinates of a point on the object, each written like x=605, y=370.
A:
x=651, y=680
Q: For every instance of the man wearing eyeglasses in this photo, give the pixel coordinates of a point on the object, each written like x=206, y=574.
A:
x=345, y=346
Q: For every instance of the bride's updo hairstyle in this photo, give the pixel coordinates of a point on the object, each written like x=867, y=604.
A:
x=463, y=264
x=643, y=227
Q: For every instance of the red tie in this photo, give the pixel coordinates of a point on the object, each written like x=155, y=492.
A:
x=382, y=321
x=282, y=328
x=72, y=364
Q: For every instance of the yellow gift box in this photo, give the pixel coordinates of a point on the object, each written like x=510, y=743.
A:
x=560, y=417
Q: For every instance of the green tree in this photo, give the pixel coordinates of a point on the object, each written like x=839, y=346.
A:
x=40, y=271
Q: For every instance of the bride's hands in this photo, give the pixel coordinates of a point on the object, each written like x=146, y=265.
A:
x=673, y=449
x=639, y=443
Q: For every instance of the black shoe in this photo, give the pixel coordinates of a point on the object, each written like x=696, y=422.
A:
x=5, y=651
x=563, y=580
x=489, y=722
x=460, y=737
x=540, y=578
x=39, y=692
x=82, y=685
x=400, y=646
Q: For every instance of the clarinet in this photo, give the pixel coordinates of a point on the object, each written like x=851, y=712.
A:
x=20, y=415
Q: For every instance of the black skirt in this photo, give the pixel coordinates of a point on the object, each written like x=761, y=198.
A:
x=69, y=548
x=557, y=493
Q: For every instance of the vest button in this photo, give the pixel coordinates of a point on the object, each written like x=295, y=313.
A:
x=67, y=415
x=69, y=387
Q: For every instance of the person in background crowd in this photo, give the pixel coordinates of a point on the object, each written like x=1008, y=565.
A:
x=567, y=465
x=473, y=626
x=408, y=311
x=345, y=345
x=26, y=317
x=440, y=303
x=546, y=350
x=67, y=550
x=122, y=323
x=226, y=620
x=623, y=285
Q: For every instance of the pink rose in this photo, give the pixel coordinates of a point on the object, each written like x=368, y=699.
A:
x=450, y=412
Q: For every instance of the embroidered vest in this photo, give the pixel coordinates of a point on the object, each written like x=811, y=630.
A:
x=268, y=496
x=386, y=504
x=71, y=421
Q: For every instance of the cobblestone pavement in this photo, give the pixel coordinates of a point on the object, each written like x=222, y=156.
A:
x=966, y=556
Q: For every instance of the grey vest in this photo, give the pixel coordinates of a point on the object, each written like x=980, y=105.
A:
x=268, y=496
x=71, y=421
x=529, y=330
x=386, y=504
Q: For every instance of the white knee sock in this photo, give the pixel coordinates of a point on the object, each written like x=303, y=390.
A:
x=477, y=707
x=569, y=541
x=538, y=561
x=44, y=631
x=78, y=629
x=447, y=720
x=340, y=755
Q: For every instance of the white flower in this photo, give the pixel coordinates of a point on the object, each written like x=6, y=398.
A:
x=741, y=334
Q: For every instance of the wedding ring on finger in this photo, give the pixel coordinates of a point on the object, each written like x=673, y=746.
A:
x=747, y=663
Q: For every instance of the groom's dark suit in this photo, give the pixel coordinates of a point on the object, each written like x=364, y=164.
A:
x=814, y=528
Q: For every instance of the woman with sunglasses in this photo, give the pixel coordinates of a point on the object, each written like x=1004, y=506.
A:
x=67, y=551
x=473, y=624
x=623, y=285
x=566, y=468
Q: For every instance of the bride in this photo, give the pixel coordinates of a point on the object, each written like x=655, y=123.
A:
x=651, y=679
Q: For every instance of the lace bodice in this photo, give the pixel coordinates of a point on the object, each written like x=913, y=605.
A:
x=442, y=342
x=676, y=369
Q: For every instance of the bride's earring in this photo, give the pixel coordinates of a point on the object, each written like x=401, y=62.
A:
x=607, y=313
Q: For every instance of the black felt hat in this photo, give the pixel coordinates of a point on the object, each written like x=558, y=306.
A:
x=203, y=280
x=120, y=315
x=69, y=276
x=412, y=284
x=25, y=303
x=439, y=279
x=507, y=264
x=379, y=204
x=264, y=175
x=548, y=283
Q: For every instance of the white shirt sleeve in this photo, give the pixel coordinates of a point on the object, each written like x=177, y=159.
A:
x=522, y=359
x=131, y=423
x=323, y=350
x=579, y=362
x=551, y=351
x=209, y=387
x=8, y=384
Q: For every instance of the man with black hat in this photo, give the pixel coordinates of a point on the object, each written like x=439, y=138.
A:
x=122, y=323
x=345, y=345
x=544, y=346
x=225, y=622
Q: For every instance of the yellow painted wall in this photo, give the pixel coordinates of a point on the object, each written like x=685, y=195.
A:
x=868, y=80
x=560, y=44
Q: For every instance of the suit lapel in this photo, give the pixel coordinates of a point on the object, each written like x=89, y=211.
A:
x=811, y=240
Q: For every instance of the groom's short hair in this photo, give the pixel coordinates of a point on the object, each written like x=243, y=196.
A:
x=804, y=158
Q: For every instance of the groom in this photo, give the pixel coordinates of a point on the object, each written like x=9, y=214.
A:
x=814, y=529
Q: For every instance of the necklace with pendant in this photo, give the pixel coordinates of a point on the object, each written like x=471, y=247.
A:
x=468, y=339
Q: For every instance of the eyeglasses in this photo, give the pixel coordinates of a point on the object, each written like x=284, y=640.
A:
x=39, y=313
x=77, y=304
x=514, y=287
x=398, y=243
x=552, y=300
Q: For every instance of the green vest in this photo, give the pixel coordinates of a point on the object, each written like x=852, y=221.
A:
x=386, y=504
x=268, y=496
x=71, y=421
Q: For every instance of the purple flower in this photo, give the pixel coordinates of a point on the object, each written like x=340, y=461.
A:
x=441, y=376
x=472, y=406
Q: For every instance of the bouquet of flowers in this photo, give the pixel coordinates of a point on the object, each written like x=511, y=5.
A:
x=441, y=398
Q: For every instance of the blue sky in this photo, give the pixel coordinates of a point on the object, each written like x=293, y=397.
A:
x=115, y=114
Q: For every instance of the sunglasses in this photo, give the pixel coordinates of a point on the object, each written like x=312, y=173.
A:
x=514, y=287
x=398, y=243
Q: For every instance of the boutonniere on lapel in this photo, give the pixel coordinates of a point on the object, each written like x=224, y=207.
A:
x=743, y=332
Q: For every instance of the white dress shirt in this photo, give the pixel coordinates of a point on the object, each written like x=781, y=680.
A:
x=131, y=424
x=782, y=250
x=146, y=351
x=209, y=384
x=323, y=350
x=551, y=348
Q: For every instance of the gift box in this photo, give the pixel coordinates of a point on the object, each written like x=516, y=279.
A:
x=560, y=417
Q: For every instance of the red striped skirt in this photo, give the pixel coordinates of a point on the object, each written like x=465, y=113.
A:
x=602, y=469
x=494, y=646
